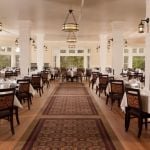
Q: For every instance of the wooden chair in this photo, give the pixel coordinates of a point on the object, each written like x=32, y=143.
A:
x=79, y=74
x=9, y=74
x=6, y=105
x=88, y=74
x=93, y=80
x=134, y=110
x=45, y=80
x=103, y=81
x=36, y=83
x=116, y=93
x=23, y=92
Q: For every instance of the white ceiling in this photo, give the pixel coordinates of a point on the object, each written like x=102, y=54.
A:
x=94, y=17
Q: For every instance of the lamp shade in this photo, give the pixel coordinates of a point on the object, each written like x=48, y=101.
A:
x=141, y=27
x=70, y=24
x=71, y=37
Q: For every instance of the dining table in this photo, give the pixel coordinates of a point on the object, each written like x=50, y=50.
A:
x=8, y=84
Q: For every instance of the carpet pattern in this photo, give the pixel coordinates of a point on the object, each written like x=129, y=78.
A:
x=56, y=132
x=70, y=105
x=71, y=91
x=72, y=84
x=69, y=134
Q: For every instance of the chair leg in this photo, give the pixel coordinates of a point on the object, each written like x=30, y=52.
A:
x=99, y=92
x=127, y=121
x=140, y=122
x=112, y=102
x=105, y=92
x=145, y=123
x=12, y=124
x=107, y=99
x=17, y=116
x=96, y=89
x=119, y=102
x=40, y=92
x=28, y=103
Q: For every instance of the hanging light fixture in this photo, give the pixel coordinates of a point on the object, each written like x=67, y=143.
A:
x=71, y=46
x=71, y=37
x=141, y=25
x=125, y=43
x=16, y=42
x=0, y=26
x=70, y=25
x=45, y=47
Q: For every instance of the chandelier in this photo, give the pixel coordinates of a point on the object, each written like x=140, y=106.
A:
x=70, y=24
x=71, y=37
x=71, y=46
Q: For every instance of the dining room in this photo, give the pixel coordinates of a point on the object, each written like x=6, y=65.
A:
x=74, y=74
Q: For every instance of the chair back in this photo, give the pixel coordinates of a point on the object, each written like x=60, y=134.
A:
x=35, y=81
x=94, y=76
x=24, y=85
x=133, y=98
x=9, y=74
x=103, y=79
x=7, y=98
x=117, y=86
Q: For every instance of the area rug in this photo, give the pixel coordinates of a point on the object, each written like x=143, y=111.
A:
x=69, y=134
x=71, y=84
x=70, y=105
x=71, y=91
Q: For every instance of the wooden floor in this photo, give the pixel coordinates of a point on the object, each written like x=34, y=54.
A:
x=114, y=117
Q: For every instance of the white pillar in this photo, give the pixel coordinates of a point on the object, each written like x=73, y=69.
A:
x=147, y=49
x=118, y=46
x=103, y=52
x=24, y=42
x=40, y=51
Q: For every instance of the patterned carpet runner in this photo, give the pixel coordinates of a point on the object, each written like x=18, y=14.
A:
x=69, y=134
x=55, y=130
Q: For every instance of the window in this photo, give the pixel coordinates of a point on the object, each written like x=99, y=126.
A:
x=62, y=51
x=134, y=50
x=88, y=61
x=141, y=50
x=8, y=49
x=17, y=60
x=80, y=51
x=126, y=50
x=126, y=58
x=71, y=61
x=5, y=61
x=2, y=49
x=71, y=51
x=139, y=62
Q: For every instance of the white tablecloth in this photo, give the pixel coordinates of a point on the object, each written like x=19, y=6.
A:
x=17, y=102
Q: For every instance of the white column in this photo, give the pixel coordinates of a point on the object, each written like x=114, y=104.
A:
x=24, y=43
x=40, y=51
x=118, y=46
x=147, y=49
x=103, y=52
